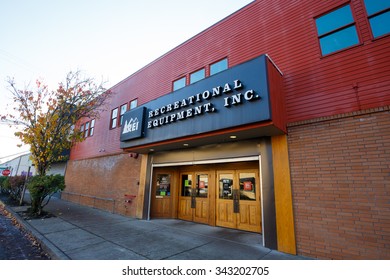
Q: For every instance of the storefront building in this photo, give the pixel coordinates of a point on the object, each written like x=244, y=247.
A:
x=275, y=120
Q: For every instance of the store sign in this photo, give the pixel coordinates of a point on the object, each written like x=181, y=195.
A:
x=133, y=124
x=231, y=98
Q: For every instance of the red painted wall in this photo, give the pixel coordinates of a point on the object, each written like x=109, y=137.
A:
x=346, y=81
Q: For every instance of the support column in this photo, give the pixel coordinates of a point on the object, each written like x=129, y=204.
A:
x=283, y=196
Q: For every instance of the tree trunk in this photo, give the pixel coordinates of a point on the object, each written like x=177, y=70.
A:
x=36, y=206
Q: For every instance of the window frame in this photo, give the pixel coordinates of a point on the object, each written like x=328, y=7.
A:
x=92, y=127
x=195, y=72
x=86, y=130
x=337, y=30
x=114, y=120
x=133, y=101
x=121, y=113
x=177, y=80
x=375, y=15
x=82, y=129
x=217, y=62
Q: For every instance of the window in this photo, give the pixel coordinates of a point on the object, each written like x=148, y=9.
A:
x=133, y=104
x=196, y=76
x=180, y=83
x=336, y=30
x=163, y=185
x=378, y=12
x=86, y=131
x=114, y=118
x=123, y=111
x=82, y=129
x=218, y=66
x=92, y=128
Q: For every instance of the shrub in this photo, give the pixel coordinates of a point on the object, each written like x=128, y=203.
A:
x=16, y=184
x=4, y=184
x=42, y=187
x=13, y=186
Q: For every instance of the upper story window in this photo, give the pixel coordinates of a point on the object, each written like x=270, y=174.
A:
x=180, y=83
x=218, y=66
x=86, y=131
x=378, y=12
x=123, y=111
x=133, y=104
x=197, y=76
x=92, y=128
x=82, y=129
x=337, y=30
x=114, y=118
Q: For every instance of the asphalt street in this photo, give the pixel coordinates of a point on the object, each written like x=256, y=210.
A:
x=16, y=244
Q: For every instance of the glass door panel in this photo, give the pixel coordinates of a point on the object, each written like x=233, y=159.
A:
x=186, y=184
x=225, y=186
x=202, y=185
x=163, y=184
x=247, y=186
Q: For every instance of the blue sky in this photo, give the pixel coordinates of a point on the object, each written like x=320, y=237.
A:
x=107, y=39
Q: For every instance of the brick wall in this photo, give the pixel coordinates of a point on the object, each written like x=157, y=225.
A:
x=103, y=182
x=340, y=169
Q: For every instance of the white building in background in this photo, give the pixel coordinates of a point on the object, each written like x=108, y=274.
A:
x=19, y=166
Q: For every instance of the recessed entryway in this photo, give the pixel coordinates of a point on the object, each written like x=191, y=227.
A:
x=225, y=195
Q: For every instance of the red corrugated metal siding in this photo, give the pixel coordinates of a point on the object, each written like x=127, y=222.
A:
x=315, y=86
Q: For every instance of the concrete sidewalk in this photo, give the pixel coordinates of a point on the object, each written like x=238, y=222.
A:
x=84, y=233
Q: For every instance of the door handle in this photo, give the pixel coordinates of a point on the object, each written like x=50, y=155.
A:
x=236, y=201
x=193, y=198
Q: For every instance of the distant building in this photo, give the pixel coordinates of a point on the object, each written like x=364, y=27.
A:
x=19, y=166
x=274, y=120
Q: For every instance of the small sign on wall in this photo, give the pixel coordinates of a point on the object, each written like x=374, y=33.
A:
x=133, y=127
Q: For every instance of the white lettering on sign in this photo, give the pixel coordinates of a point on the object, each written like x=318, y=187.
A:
x=166, y=115
x=182, y=115
x=238, y=98
x=131, y=125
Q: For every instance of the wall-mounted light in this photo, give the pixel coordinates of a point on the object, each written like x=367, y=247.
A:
x=232, y=136
x=133, y=155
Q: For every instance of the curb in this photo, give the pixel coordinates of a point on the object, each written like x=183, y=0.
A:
x=54, y=252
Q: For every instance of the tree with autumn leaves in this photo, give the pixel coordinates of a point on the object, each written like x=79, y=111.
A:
x=48, y=118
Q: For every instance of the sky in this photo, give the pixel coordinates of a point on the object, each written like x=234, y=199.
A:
x=106, y=39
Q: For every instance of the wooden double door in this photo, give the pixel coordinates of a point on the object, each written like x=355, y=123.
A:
x=194, y=198
x=238, y=200
x=216, y=195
